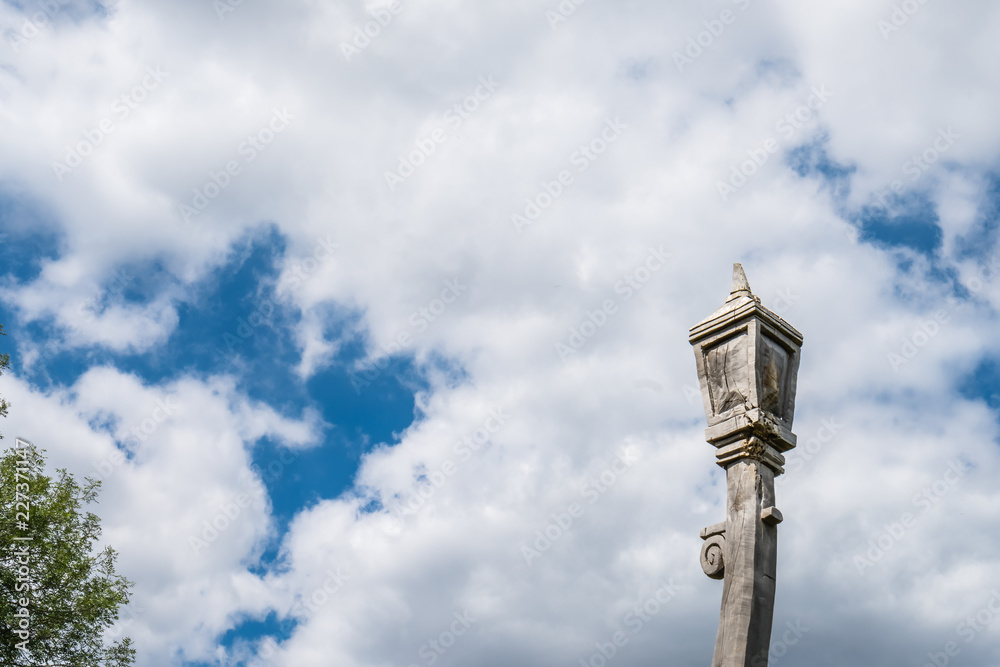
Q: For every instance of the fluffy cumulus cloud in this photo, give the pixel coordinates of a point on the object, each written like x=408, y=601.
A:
x=455, y=248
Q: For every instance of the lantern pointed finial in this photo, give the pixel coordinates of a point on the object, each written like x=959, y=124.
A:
x=741, y=286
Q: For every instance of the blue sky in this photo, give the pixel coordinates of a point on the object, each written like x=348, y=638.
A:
x=265, y=271
x=208, y=340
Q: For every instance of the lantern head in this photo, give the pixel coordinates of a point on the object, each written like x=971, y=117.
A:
x=748, y=360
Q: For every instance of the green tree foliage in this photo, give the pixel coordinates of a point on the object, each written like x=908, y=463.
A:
x=4, y=364
x=72, y=593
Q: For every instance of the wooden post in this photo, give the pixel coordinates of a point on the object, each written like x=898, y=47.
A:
x=747, y=360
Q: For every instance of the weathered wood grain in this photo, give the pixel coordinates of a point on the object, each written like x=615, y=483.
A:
x=747, y=361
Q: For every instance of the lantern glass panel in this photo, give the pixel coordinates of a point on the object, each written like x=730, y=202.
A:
x=728, y=366
x=773, y=375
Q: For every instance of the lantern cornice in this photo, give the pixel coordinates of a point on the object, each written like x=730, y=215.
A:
x=744, y=307
x=753, y=423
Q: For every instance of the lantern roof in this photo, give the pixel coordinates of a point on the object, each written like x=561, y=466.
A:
x=741, y=304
